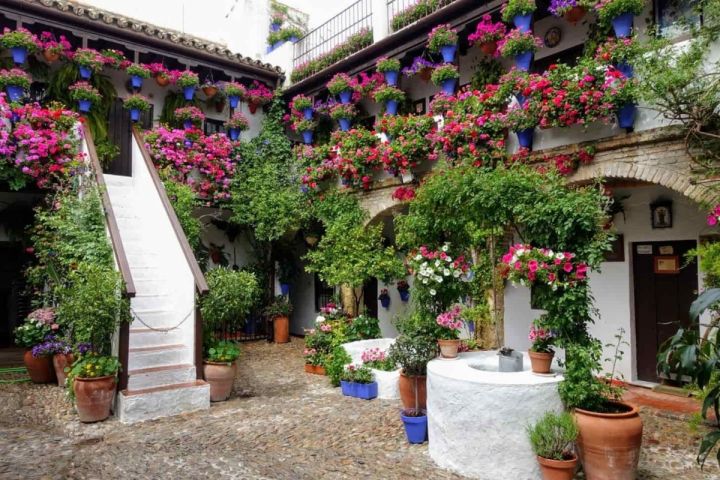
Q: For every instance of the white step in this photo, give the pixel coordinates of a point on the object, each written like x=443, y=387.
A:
x=154, y=301
x=159, y=356
x=160, y=317
x=143, y=337
x=139, y=405
x=161, y=376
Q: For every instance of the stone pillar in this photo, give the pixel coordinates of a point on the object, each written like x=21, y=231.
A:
x=379, y=20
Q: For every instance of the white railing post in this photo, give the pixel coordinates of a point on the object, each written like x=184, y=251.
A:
x=379, y=19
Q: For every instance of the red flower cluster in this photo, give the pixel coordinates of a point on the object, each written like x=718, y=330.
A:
x=403, y=194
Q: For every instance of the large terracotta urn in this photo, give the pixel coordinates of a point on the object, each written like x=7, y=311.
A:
x=220, y=376
x=281, y=329
x=93, y=397
x=407, y=391
x=40, y=369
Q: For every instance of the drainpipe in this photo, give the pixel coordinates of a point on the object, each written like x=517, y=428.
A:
x=379, y=19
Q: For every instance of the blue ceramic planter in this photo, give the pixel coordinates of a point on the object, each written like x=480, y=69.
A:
x=85, y=72
x=415, y=428
x=233, y=100
x=523, y=22
x=345, y=96
x=15, y=92
x=385, y=302
x=134, y=114
x=293, y=39
x=19, y=55
x=525, y=137
x=188, y=93
x=188, y=143
x=626, y=69
x=344, y=124
x=136, y=81
x=277, y=45
x=308, y=113
x=307, y=137
x=84, y=105
x=234, y=134
x=391, y=107
x=404, y=295
x=622, y=25
x=365, y=391
x=275, y=27
x=626, y=115
x=391, y=77
x=346, y=388
x=187, y=124
x=448, y=86
x=285, y=288
x=448, y=53
x=521, y=99
x=524, y=60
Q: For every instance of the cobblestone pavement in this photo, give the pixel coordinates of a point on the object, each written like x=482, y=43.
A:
x=280, y=424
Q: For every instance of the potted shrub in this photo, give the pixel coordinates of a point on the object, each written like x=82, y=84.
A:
x=443, y=39
x=15, y=82
x=541, y=352
x=136, y=103
x=89, y=61
x=161, y=73
x=412, y=352
x=450, y=324
x=301, y=103
x=384, y=298
x=189, y=117
x=522, y=122
x=237, y=123
x=305, y=128
x=509, y=360
x=357, y=381
x=343, y=114
x=318, y=345
x=235, y=93
x=571, y=10
x=138, y=73
x=487, y=34
x=390, y=96
x=20, y=42
x=258, y=95
x=390, y=68
x=521, y=46
x=85, y=95
x=220, y=369
x=341, y=85
x=403, y=289
x=52, y=49
x=38, y=325
x=446, y=76
x=519, y=13
x=619, y=13
x=279, y=312
x=552, y=439
x=92, y=380
x=189, y=82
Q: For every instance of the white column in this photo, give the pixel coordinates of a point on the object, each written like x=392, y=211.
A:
x=379, y=20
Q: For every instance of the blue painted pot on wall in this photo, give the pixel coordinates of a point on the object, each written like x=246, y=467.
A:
x=366, y=391
x=293, y=39
x=391, y=77
x=308, y=113
x=523, y=22
x=415, y=428
x=84, y=105
x=277, y=45
x=234, y=134
x=626, y=69
x=448, y=53
x=345, y=96
x=385, y=302
x=285, y=288
x=134, y=114
x=521, y=99
x=391, y=107
x=448, y=86
x=622, y=25
x=307, y=137
x=344, y=124
x=15, y=92
x=524, y=60
x=346, y=388
x=19, y=55
x=85, y=72
x=136, y=81
x=525, y=137
x=187, y=124
x=234, y=100
x=626, y=115
x=189, y=93
x=275, y=27
x=404, y=295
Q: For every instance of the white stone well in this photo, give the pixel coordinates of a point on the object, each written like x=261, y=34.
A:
x=477, y=416
x=387, y=381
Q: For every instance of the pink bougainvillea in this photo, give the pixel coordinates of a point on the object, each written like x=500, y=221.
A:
x=525, y=264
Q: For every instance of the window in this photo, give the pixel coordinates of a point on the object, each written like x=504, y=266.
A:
x=675, y=17
x=324, y=293
x=214, y=126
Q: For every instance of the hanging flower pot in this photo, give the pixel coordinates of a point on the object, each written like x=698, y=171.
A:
x=345, y=96
x=307, y=137
x=234, y=100
x=285, y=288
x=626, y=69
x=135, y=114
x=15, y=92
x=84, y=105
x=488, y=48
x=574, y=14
x=136, y=81
x=85, y=72
x=448, y=86
x=622, y=25
x=162, y=80
x=19, y=54
x=524, y=60
x=344, y=124
x=253, y=107
x=425, y=74
x=448, y=53
x=188, y=93
x=385, y=302
x=391, y=77
x=525, y=137
x=210, y=91
x=415, y=426
x=220, y=106
x=391, y=107
x=523, y=22
x=626, y=115
x=234, y=135
x=187, y=124
x=308, y=113
x=50, y=56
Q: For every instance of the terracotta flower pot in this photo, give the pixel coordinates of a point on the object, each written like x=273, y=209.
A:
x=314, y=369
x=557, y=469
x=253, y=107
x=162, y=80
x=609, y=443
x=574, y=15
x=210, y=91
x=281, y=329
x=541, y=362
x=426, y=74
x=40, y=369
x=219, y=107
x=93, y=397
x=449, y=348
x=488, y=48
x=60, y=361
x=221, y=377
x=50, y=56
x=407, y=391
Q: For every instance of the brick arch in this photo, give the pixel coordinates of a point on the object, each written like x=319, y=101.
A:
x=379, y=201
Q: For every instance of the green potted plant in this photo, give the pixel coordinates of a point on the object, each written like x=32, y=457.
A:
x=552, y=439
x=343, y=114
x=38, y=325
x=136, y=103
x=305, y=128
x=390, y=96
x=541, y=351
x=279, y=312
x=15, y=82
x=446, y=76
x=85, y=95
x=89, y=61
x=521, y=46
x=523, y=122
x=390, y=68
x=235, y=93
x=318, y=345
x=291, y=34
x=301, y=103
x=449, y=323
x=620, y=14
x=237, y=123
x=341, y=85
x=92, y=379
x=189, y=117
x=443, y=39
x=189, y=82
x=519, y=12
x=138, y=72
x=357, y=381
x=220, y=369
x=20, y=42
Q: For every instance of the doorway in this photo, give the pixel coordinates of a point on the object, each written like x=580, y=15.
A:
x=370, y=297
x=665, y=285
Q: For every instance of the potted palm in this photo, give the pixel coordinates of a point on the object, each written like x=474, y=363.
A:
x=279, y=312
x=220, y=369
x=450, y=324
x=552, y=439
x=91, y=382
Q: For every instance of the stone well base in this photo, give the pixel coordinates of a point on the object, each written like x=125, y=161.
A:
x=387, y=381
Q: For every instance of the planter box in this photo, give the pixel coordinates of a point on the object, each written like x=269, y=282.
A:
x=365, y=391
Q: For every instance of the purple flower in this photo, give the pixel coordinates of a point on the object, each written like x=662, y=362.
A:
x=559, y=7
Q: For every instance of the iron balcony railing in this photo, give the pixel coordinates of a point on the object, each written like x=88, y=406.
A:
x=401, y=13
x=354, y=19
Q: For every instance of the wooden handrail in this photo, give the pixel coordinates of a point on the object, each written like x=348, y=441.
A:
x=200, y=283
x=112, y=225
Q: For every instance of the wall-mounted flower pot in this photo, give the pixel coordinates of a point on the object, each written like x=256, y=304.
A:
x=521, y=99
x=415, y=428
x=234, y=100
x=622, y=25
x=510, y=363
x=188, y=93
x=162, y=80
x=557, y=469
x=385, y=302
x=344, y=124
x=40, y=369
x=253, y=107
x=626, y=115
x=575, y=14
x=293, y=39
x=285, y=288
x=275, y=27
x=308, y=113
x=60, y=361
x=136, y=81
x=448, y=86
x=93, y=397
x=84, y=105
x=391, y=107
x=449, y=348
x=307, y=137
x=15, y=92
x=134, y=114
x=391, y=77
x=626, y=69
x=19, y=55
x=85, y=72
x=525, y=137
x=50, y=56
x=404, y=295
x=365, y=391
x=523, y=22
x=524, y=60
x=234, y=134
x=187, y=124
x=448, y=53
x=541, y=362
x=220, y=376
x=345, y=96
x=488, y=48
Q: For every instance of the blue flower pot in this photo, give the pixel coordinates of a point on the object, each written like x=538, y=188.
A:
x=19, y=55
x=307, y=137
x=344, y=124
x=15, y=92
x=385, y=302
x=626, y=69
x=346, y=388
x=234, y=134
x=293, y=39
x=277, y=45
x=448, y=53
x=415, y=428
x=366, y=391
x=85, y=72
x=136, y=81
x=404, y=295
x=275, y=27
x=391, y=107
x=622, y=25
x=524, y=60
x=523, y=22
x=448, y=86
x=626, y=115
x=84, y=105
x=525, y=137
x=187, y=124
x=249, y=327
x=521, y=99
x=234, y=100
x=285, y=288
x=134, y=114
x=189, y=93
x=308, y=113
x=346, y=96
x=188, y=143
x=391, y=77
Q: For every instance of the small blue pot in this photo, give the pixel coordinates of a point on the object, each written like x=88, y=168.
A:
x=277, y=45
x=415, y=428
x=366, y=391
x=307, y=137
x=308, y=113
x=521, y=99
x=626, y=115
x=626, y=69
x=189, y=93
x=234, y=134
x=134, y=114
x=136, y=81
x=525, y=137
x=524, y=60
x=187, y=124
x=346, y=388
x=234, y=100
x=391, y=107
x=448, y=53
x=85, y=72
x=346, y=96
x=84, y=105
x=285, y=288
x=391, y=77
x=385, y=302
x=344, y=124
x=404, y=295
x=275, y=27
x=622, y=25
x=448, y=86
x=523, y=22
x=293, y=39
x=19, y=55
x=188, y=143
x=249, y=326
x=15, y=92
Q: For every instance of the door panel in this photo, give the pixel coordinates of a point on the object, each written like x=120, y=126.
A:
x=120, y=133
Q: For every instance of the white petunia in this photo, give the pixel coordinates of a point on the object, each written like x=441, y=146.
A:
x=446, y=272
x=432, y=291
x=445, y=248
x=319, y=319
x=418, y=257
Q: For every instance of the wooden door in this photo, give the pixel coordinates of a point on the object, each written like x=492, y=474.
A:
x=370, y=297
x=120, y=134
x=662, y=297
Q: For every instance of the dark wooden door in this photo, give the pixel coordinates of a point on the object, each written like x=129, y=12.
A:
x=120, y=134
x=662, y=297
x=370, y=298
x=13, y=302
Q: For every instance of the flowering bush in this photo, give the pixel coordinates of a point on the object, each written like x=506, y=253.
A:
x=439, y=278
x=52, y=46
x=618, y=50
x=258, y=94
x=517, y=42
x=609, y=9
x=192, y=114
x=446, y=71
x=90, y=58
x=21, y=37
x=450, y=323
x=16, y=77
x=441, y=36
x=541, y=339
x=300, y=103
x=339, y=83
x=403, y=194
x=487, y=31
x=339, y=111
x=136, y=102
x=442, y=103
x=365, y=84
x=377, y=359
x=561, y=7
x=238, y=121
x=386, y=93
x=115, y=59
x=517, y=7
x=187, y=78
x=84, y=91
x=409, y=141
x=714, y=216
x=385, y=64
x=137, y=69
x=234, y=89
x=51, y=345
x=524, y=264
x=358, y=152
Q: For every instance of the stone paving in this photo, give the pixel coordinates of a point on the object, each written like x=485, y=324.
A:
x=280, y=424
